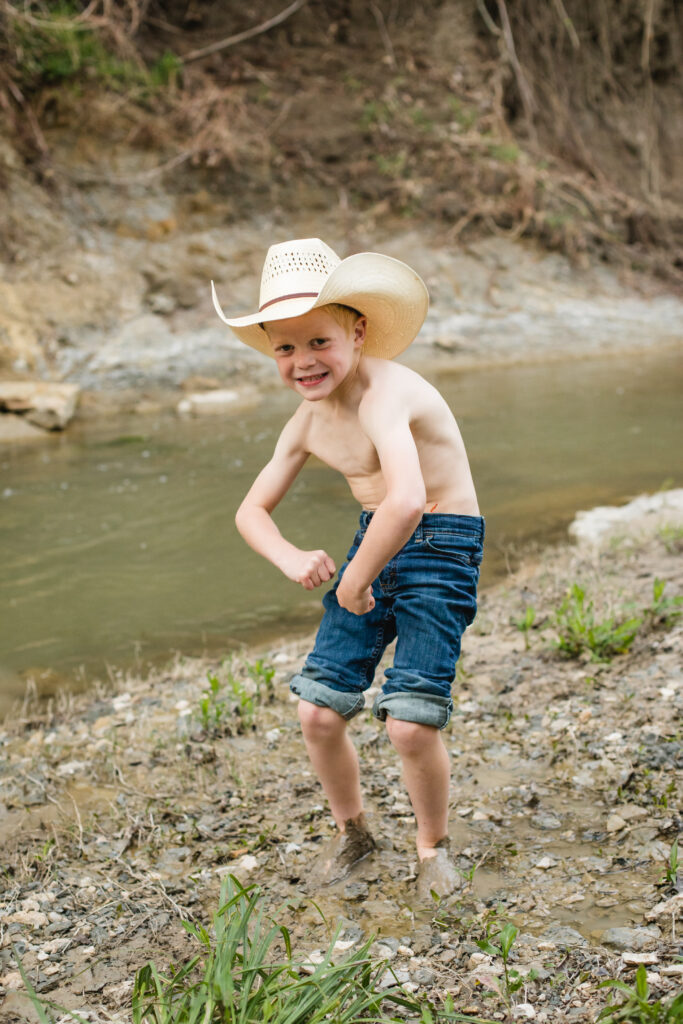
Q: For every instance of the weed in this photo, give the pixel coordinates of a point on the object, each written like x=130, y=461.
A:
x=233, y=703
x=524, y=624
x=636, y=1008
x=61, y=45
x=501, y=946
x=672, y=538
x=663, y=612
x=391, y=166
x=506, y=152
x=213, y=710
x=670, y=874
x=236, y=978
x=579, y=631
x=262, y=675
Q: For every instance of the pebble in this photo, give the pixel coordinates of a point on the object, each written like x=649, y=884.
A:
x=523, y=1011
x=615, y=823
x=33, y=918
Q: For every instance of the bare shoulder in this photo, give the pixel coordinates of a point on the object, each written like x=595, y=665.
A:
x=294, y=435
x=389, y=383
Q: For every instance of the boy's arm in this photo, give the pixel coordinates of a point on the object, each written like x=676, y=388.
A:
x=386, y=422
x=254, y=522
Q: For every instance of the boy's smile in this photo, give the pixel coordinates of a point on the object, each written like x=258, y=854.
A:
x=314, y=353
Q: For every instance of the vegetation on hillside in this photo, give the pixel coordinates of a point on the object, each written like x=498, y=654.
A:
x=553, y=121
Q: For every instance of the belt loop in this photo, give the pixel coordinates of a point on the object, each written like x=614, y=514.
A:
x=419, y=532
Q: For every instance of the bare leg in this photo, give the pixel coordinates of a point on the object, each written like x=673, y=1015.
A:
x=334, y=759
x=426, y=773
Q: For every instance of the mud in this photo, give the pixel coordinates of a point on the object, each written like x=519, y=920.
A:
x=124, y=809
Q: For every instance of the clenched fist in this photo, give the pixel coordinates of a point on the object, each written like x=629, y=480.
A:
x=309, y=568
x=357, y=601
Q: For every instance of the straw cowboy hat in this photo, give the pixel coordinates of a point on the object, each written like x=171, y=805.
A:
x=304, y=274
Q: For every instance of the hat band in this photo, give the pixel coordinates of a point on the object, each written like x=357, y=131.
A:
x=283, y=298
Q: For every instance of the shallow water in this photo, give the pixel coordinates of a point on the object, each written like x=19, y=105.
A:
x=118, y=544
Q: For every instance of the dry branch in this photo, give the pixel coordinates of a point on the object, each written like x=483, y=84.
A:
x=249, y=33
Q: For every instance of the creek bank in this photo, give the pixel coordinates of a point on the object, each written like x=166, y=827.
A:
x=123, y=809
x=126, y=305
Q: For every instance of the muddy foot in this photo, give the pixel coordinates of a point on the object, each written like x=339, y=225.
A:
x=438, y=874
x=340, y=854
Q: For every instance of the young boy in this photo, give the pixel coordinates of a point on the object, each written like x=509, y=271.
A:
x=333, y=327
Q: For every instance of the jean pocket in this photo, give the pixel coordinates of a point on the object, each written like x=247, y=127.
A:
x=454, y=551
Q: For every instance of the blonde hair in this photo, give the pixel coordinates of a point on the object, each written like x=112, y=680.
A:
x=345, y=316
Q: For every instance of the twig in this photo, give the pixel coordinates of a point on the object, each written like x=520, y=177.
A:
x=249, y=33
x=79, y=823
x=386, y=38
x=568, y=23
x=527, y=96
x=488, y=20
x=138, y=792
x=133, y=179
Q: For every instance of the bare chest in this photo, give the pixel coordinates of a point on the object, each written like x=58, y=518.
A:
x=341, y=444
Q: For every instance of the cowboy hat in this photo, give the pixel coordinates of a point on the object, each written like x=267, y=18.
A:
x=305, y=274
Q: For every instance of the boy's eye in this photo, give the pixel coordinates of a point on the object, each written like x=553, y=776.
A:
x=284, y=349
x=317, y=342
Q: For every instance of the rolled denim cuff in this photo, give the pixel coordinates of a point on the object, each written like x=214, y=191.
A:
x=345, y=704
x=421, y=708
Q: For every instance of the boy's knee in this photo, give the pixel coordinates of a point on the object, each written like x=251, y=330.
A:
x=409, y=738
x=319, y=723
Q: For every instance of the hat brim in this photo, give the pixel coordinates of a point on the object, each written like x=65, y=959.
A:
x=386, y=291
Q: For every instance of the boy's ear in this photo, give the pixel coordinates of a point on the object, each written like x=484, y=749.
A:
x=359, y=330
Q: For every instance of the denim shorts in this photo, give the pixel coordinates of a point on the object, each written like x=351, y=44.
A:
x=425, y=597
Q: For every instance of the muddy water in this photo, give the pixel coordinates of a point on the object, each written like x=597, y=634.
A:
x=117, y=539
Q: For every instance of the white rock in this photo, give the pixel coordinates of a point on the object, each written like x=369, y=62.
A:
x=545, y=862
x=72, y=767
x=672, y=970
x=246, y=864
x=524, y=1011
x=272, y=736
x=341, y=945
x=615, y=823
x=312, y=961
x=639, y=958
x=672, y=906
x=208, y=403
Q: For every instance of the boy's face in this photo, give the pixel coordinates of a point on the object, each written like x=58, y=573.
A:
x=314, y=353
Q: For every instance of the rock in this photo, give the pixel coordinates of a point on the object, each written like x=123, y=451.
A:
x=545, y=821
x=672, y=906
x=631, y=938
x=424, y=976
x=47, y=405
x=562, y=935
x=523, y=1011
x=639, y=958
x=545, y=863
x=615, y=823
x=209, y=403
x=16, y=428
x=33, y=918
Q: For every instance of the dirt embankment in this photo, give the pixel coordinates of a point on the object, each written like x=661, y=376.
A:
x=122, y=810
x=525, y=167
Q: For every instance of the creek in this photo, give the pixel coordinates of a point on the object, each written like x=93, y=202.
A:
x=117, y=540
